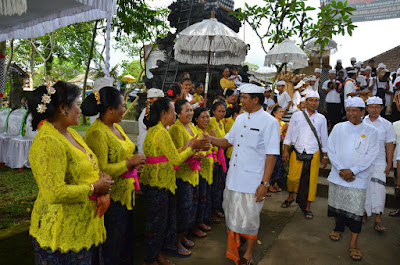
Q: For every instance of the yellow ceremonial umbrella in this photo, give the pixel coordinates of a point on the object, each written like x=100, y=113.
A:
x=128, y=78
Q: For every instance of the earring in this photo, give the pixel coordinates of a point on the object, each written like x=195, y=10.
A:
x=65, y=113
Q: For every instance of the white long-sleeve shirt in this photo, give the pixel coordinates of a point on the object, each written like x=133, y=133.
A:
x=253, y=136
x=386, y=135
x=300, y=134
x=349, y=87
x=142, y=132
x=353, y=147
x=296, y=100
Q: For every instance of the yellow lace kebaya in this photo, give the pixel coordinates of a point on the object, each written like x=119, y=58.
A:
x=180, y=136
x=207, y=163
x=112, y=153
x=158, y=142
x=63, y=218
x=214, y=125
x=228, y=125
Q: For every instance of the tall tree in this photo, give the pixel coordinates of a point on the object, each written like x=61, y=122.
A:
x=275, y=20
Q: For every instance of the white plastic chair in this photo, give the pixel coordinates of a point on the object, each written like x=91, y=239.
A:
x=18, y=147
x=4, y=113
x=15, y=125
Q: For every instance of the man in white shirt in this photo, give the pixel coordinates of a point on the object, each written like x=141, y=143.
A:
x=396, y=164
x=255, y=138
x=350, y=86
x=296, y=95
x=353, y=61
x=283, y=98
x=305, y=158
x=370, y=80
x=360, y=79
x=317, y=74
x=152, y=95
x=352, y=147
x=268, y=101
x=380, y=168
x=332, y=88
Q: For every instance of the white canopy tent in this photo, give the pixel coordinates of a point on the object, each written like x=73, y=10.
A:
x=45, y=16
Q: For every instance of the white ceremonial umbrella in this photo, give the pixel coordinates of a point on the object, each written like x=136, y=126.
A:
x=263, y=73
x=209, y=42
x=45, y=16
x=315, y=48
x=287, y=52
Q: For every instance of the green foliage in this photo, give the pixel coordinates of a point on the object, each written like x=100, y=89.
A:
x=142, y=23
x=131, y=68
x=280, y=19
x=251, y=66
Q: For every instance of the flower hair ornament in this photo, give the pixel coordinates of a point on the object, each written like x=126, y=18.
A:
x=46, y=99
x=147, y=115
x=170, y=92
x=97, y=96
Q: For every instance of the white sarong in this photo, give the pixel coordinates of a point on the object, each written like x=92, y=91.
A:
x=376, y=191
x=242, y=212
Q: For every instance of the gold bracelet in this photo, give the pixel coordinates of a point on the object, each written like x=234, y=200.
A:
x=91, y=189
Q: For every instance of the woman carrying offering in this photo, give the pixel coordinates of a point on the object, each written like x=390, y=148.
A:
x=115, y=153
x=64, y=224
x=159, y=182
x=216, y=125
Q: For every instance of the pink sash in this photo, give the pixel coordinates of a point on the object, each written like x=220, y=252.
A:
x=93, y=197
x=221, y=159
x=152, y=160
x=194, y=164
x=132, y=173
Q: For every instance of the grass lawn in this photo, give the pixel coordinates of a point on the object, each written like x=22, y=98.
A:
x=18, y=191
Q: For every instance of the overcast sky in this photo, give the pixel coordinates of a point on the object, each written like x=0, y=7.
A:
x=369, y=38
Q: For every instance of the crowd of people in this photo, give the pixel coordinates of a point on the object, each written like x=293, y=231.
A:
x=196, y=166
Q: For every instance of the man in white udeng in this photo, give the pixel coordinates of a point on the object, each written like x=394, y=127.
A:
x=352, y=147
x=380, y=168
x=255, y=137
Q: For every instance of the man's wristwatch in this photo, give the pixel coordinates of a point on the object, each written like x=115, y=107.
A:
x=266, y=184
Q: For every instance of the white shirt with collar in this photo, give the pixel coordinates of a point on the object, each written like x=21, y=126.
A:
x=296, y=100
x=283, y=100
x=352, y=147
x=253, y=136
x=300, y=134
x=142, y=132
x=332, y=96
x=349, y=87
x=269, y=102
x=386, y=135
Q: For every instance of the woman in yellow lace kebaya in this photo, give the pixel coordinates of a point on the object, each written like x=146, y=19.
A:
x=231, y=114
x=225, y=81
x=218, y=110
x=187, y=176
x=158, y=181
x=115, y=153
x=64, y=224
x=201, y=119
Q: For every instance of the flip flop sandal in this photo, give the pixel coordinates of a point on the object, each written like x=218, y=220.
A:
x=308, y=213
x=379, y=228
x=355, y=252
x=365, y=219
x=215, y=220
x=204, y=229
x=335, y=235
x=395, y=213
x=244, y=261
x=286, y=203
x=199, y=233
x=272, y=191
x=178, y=252
x=188, y=244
